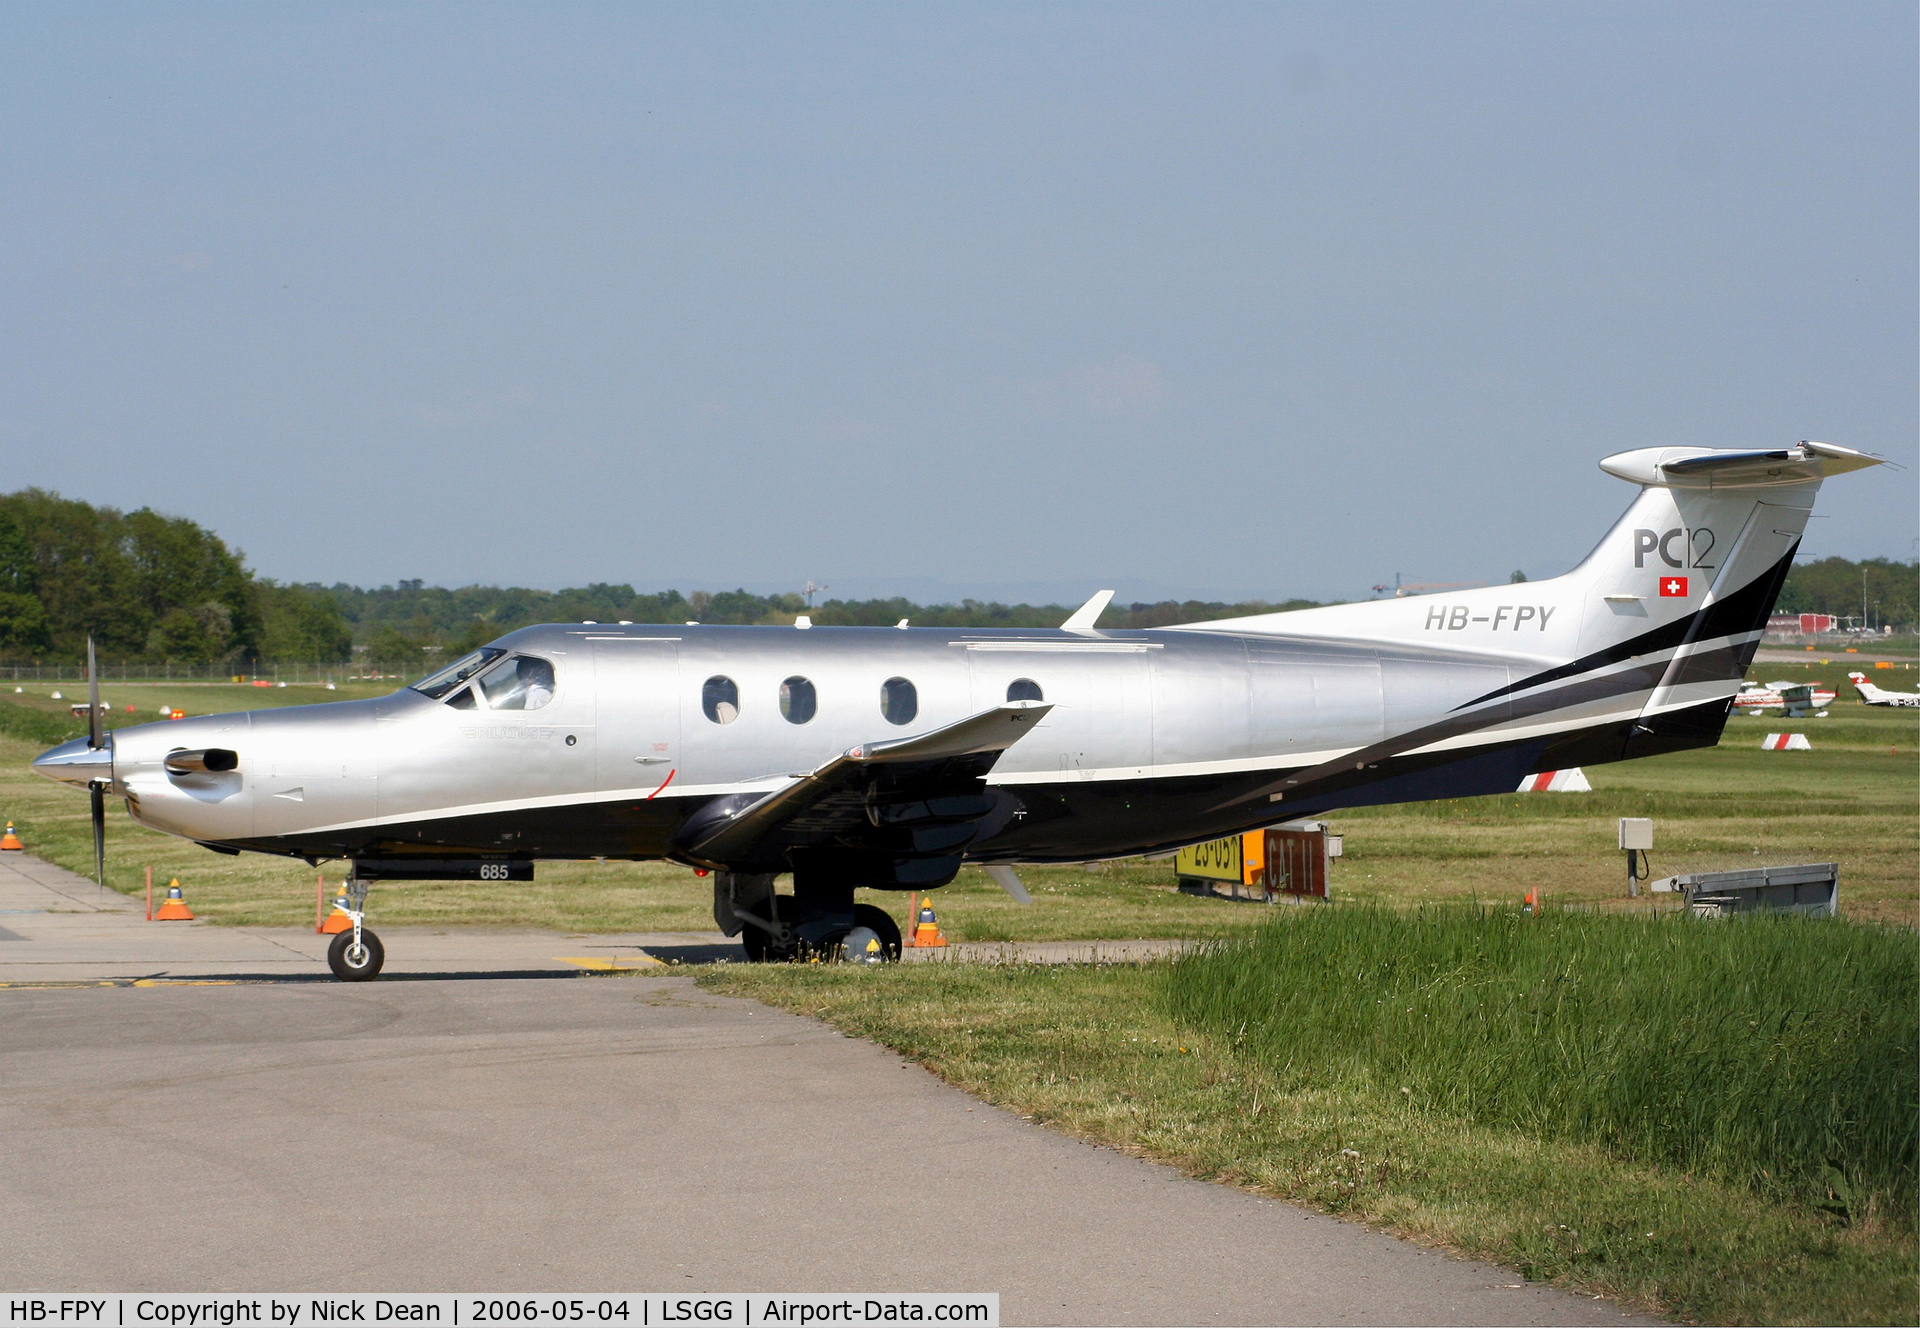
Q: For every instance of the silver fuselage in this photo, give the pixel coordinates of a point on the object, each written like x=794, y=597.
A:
x=623, y=752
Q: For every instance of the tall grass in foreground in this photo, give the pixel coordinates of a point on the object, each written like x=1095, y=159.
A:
x=1775, y=1051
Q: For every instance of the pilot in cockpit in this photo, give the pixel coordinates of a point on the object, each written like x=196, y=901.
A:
x=536, y=680
x=524, y=682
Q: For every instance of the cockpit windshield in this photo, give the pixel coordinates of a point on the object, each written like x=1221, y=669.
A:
x=439, y=684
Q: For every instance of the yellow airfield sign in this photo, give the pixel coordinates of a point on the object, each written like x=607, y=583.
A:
x=1237, y=858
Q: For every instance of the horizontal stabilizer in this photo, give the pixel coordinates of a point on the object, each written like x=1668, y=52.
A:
x=1711, y=468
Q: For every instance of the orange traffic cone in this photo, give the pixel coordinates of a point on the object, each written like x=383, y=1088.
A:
x=174, y=907
x=926, y=930
x=337, y=921
x=10, y=840
x=1532, y=902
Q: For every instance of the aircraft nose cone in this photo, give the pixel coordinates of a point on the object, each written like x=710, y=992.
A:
x=75, y=763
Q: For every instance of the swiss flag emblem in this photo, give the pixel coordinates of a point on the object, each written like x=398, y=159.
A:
x=1673, y=587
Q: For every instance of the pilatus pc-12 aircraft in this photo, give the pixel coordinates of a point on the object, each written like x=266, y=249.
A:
x=870, y=756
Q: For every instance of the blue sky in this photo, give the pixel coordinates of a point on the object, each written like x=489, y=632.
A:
x=1017, y=299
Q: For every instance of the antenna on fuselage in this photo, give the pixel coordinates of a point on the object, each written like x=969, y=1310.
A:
x=1089, y=613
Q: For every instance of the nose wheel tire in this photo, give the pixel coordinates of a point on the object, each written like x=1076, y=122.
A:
x=351, y=963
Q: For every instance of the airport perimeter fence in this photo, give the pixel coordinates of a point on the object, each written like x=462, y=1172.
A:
x=227, y=672
x=1895, y=642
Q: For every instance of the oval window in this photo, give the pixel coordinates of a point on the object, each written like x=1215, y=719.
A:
x=898, y=701
x=720, y=699
x=796, y=700
x=1024, y=689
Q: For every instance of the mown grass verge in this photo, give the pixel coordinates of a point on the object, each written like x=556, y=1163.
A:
x=1099, y=1052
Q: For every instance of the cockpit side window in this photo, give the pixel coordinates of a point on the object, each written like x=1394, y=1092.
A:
x=520, y=682
x=439, y=684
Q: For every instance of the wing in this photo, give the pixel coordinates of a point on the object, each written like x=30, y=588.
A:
x=920, y=798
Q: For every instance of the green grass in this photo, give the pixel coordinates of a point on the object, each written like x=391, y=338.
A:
x=1776, y=1052
x=1850, y=800
x=1096, y=1052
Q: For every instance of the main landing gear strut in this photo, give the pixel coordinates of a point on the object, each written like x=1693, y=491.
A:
x=817, y=921
x=356, y=955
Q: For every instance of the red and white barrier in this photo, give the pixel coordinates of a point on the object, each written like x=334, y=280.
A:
x=1556, y=781
x=1786, y=742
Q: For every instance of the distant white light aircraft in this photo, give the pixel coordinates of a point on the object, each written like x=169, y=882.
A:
x=886, y=757
x=1796, y=700
x=1875, y=696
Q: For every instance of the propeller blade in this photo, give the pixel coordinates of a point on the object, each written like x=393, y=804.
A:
x=94, y=740
x=99, y=798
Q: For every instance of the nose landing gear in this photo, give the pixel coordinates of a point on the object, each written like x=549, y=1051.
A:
x=356, y=955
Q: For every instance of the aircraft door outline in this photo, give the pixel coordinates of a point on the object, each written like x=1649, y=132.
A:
x=638, y=712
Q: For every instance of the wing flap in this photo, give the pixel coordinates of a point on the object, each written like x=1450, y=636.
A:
x=834, y=797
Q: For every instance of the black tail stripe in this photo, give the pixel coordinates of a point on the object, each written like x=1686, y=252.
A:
x=1746, y=610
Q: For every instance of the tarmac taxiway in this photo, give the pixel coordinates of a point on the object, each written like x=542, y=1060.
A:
x=186, y=1107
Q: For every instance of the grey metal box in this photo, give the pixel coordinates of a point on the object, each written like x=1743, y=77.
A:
x=1810, y=888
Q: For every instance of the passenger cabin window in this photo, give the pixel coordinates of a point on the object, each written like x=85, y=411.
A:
x=720, y=699
x=446, y=680
x=519, y=682
x=1024, y=689
x=797, y=700
x=898, y=701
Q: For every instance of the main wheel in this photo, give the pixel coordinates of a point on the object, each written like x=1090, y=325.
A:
x=881, y=923
x=873, y=919
x=351, y=963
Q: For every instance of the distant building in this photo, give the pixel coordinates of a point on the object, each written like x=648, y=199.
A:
x=1800, y=624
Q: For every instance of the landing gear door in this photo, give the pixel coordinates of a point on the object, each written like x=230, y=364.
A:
x=638, y=712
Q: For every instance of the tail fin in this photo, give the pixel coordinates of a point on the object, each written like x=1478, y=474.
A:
x=1679, y=592
x=1677, y=596
x=1641, y=647
x=1868, y=692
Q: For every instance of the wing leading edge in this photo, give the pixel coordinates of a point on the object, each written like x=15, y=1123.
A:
x=922, y=797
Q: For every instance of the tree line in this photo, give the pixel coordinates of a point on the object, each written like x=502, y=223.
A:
x=1887, y=591
x=152, y=588
x=145, y=587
